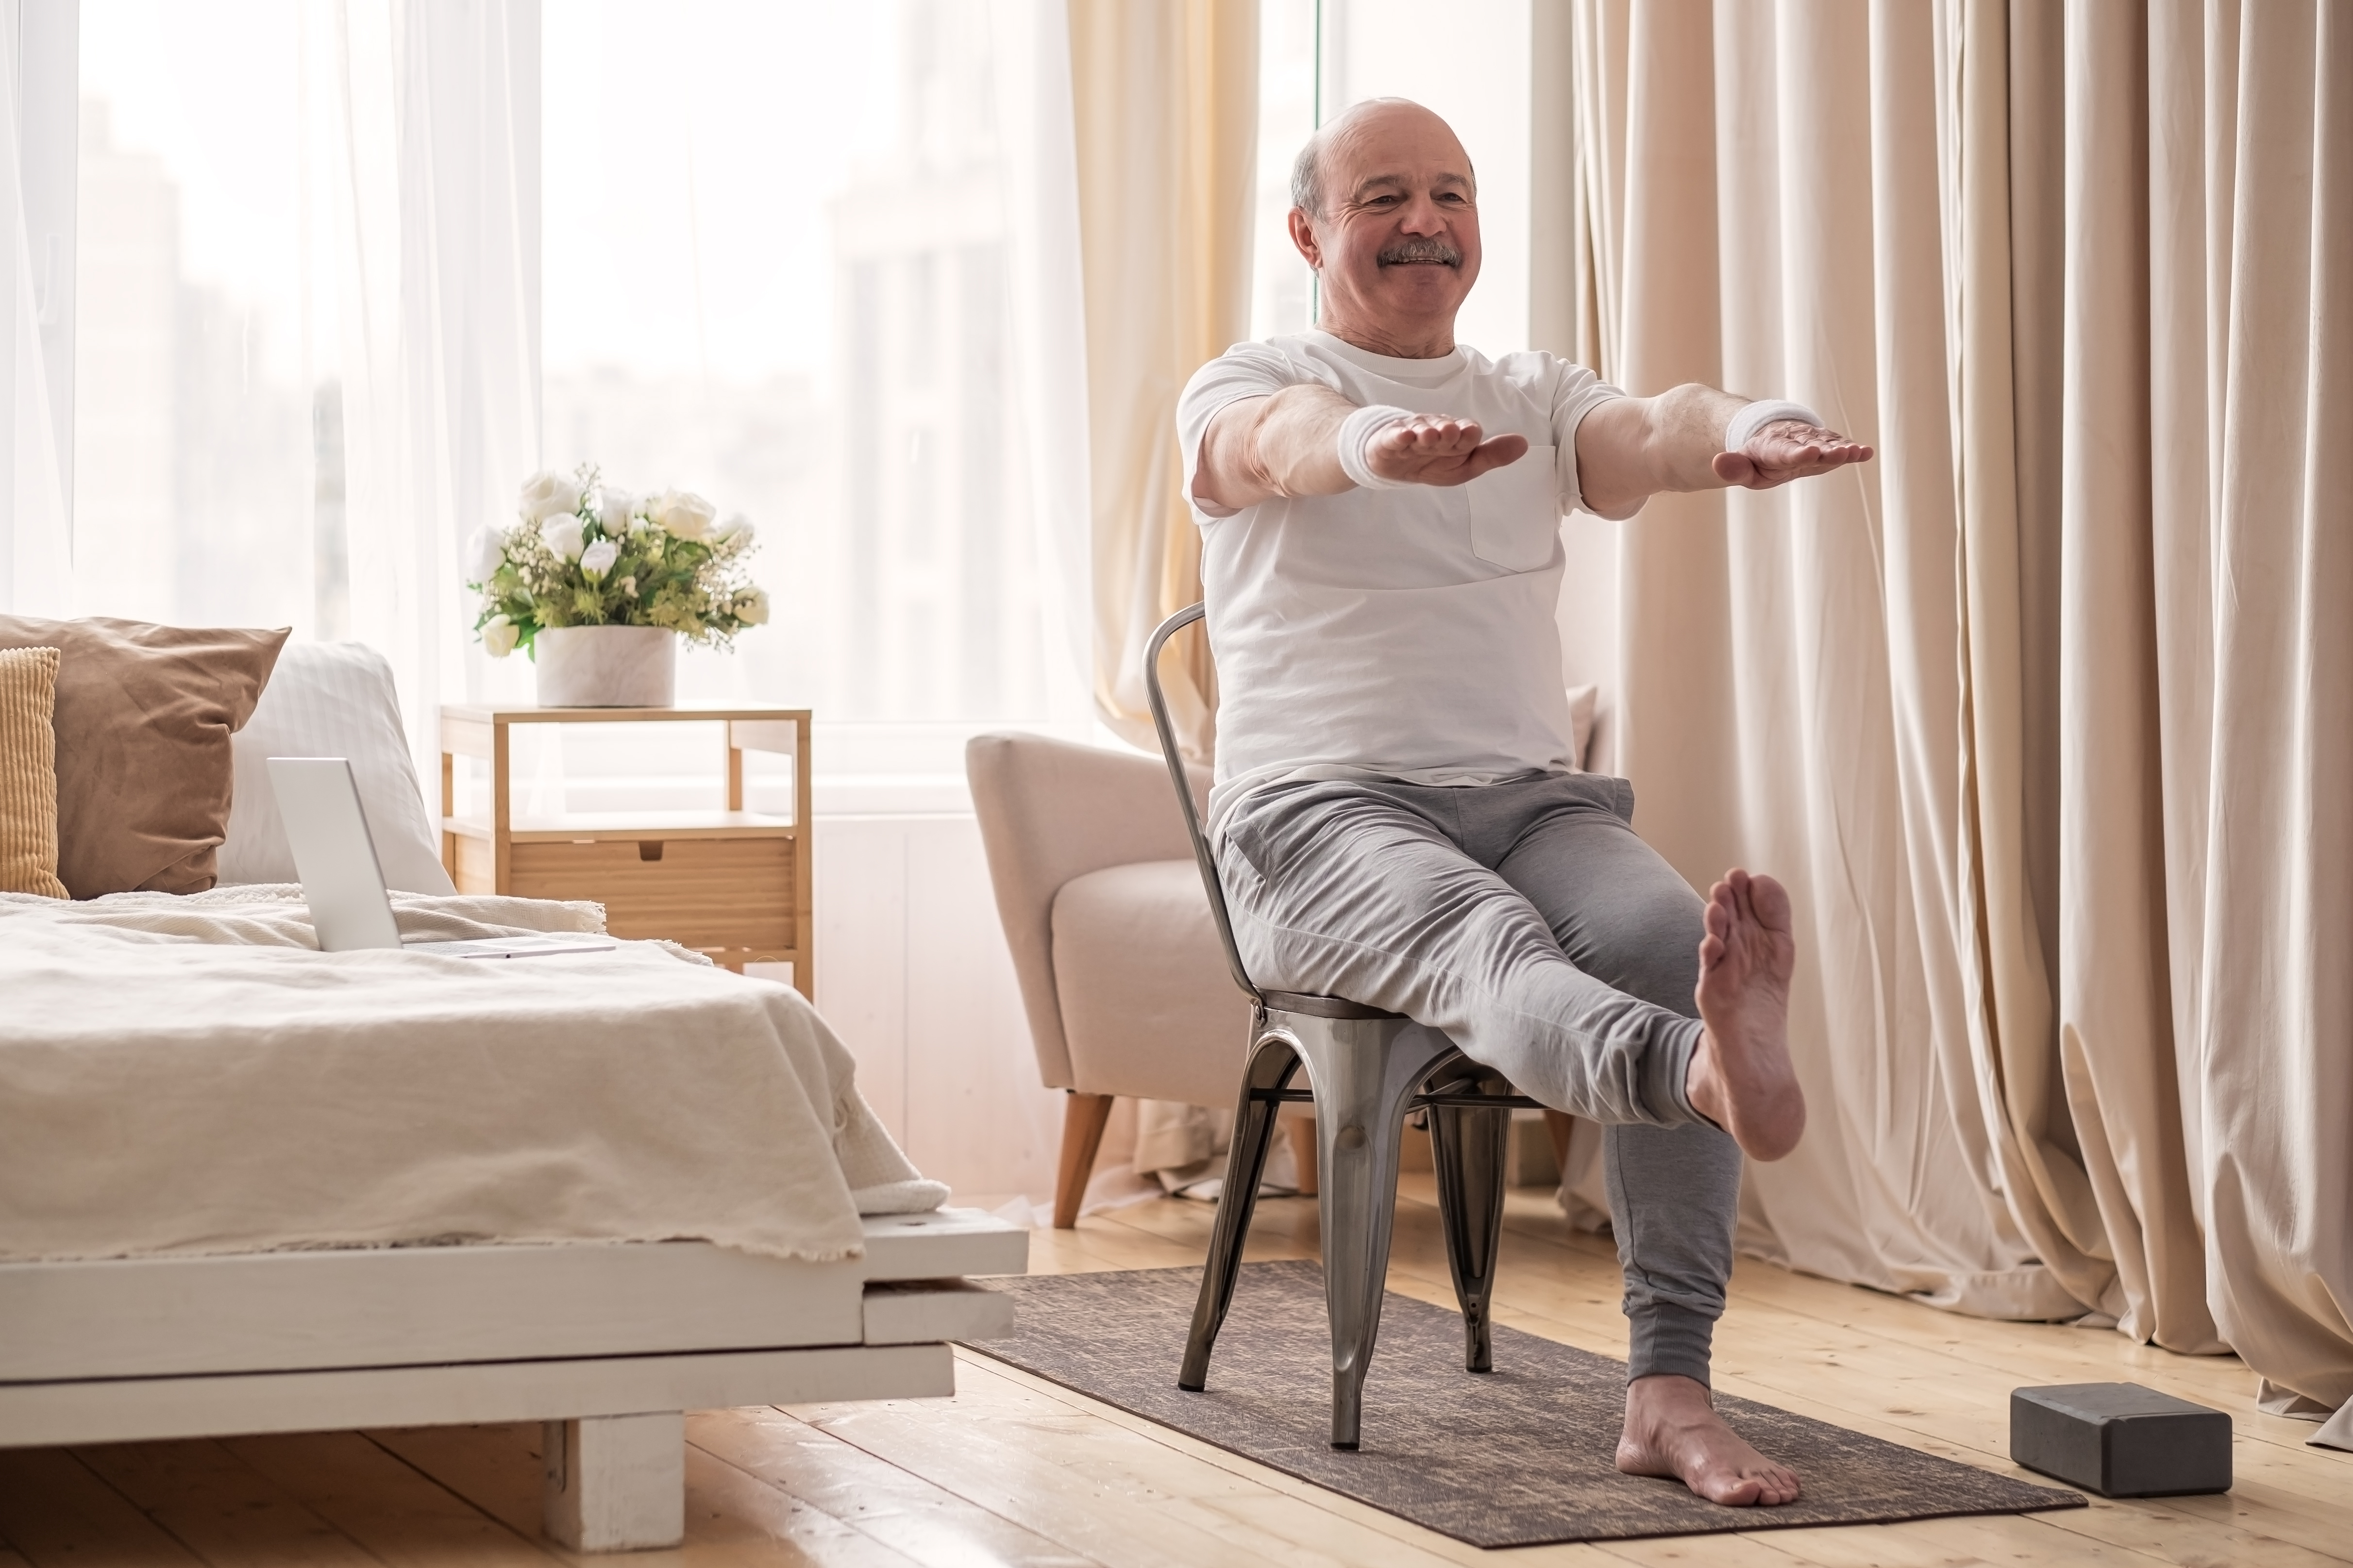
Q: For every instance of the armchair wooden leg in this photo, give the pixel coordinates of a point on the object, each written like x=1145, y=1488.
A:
x=1557, y=1127
x=1084, y=1116
x=1302, y=1128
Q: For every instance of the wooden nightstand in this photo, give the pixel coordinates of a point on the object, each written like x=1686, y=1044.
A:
x=732, y=883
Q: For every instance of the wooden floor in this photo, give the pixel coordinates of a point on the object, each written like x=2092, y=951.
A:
x=1014, y=1470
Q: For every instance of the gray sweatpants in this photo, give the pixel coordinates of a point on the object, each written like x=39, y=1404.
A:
x=1528, y=923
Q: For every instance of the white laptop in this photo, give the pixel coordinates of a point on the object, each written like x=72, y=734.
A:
x=335, y=856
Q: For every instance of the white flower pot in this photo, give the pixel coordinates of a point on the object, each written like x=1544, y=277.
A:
x=606, y=667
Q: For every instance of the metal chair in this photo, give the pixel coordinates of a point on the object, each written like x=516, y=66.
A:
x=1367, y=1071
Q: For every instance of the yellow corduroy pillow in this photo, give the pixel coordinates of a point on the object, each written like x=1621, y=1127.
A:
x=28, y=772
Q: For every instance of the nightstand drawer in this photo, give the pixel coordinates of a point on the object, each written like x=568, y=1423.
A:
x=698, y=893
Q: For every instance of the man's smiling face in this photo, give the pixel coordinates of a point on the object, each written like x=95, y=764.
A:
x=1396, y=239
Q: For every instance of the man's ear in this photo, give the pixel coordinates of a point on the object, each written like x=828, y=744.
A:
x=1303, y=234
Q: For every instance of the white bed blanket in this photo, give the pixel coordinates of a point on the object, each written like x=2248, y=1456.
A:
x=190, y=1075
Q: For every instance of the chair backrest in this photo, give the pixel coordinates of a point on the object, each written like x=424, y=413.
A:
x=1176, y=760
x=1050, y=810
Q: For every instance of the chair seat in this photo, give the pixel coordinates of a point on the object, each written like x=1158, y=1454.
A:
x=1322, y=1007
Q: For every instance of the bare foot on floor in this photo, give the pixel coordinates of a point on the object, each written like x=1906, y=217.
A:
x=1741, y=1077
x=1672, y=1430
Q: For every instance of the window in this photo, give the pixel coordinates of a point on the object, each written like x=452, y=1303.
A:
x=776, y=253
x=772, y=266
x=207, y=440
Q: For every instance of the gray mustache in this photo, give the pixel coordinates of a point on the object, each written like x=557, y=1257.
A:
x=1421, y=251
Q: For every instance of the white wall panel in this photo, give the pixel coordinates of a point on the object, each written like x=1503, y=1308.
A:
x=914, y=974
x=975, y=1105
x=862, y=954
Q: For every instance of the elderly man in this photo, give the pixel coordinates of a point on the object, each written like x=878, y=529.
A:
x=1400, y=814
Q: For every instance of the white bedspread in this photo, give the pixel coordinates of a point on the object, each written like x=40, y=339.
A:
x=190, y=1075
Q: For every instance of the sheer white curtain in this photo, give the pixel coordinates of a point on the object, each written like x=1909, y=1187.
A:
x=1045, y=291
x=36, y=538
x=440, y=252
x=2208, y=679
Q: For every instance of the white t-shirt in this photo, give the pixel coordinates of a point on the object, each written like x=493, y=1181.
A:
x=1403, y=634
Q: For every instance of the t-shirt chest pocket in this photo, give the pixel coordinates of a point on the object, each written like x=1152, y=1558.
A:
x=1516, y=513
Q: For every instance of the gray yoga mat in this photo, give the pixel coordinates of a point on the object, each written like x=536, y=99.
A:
x=1518, y=1456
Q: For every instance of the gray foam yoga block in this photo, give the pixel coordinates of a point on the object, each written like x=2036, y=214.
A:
x=2120, y=1439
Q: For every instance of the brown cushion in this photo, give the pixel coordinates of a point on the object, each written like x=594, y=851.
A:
x=143, y=718
x=28, y=773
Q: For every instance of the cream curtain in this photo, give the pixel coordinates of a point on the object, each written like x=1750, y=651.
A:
x=1790, y=663
x=1164, y=99
x=2045, y=714
x=2247, y=724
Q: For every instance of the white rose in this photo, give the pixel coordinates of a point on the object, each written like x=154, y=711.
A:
x=612, y=509
x=598, y=558
x=499, y=637
x=485, y=553
x=736, y=527
x=684, y=513
x=562, y=532
x=545, y=495
x=751, y=607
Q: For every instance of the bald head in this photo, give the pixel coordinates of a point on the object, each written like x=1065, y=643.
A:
x=1385, y=208
x=1311, y=178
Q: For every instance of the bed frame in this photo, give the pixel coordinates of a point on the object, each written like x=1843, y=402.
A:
x=607, y=1344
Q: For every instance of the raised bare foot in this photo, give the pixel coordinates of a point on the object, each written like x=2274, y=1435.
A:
x=1741, y=1077
x=1672, y=1430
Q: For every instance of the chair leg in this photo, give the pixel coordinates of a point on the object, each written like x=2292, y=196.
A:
x=1363, y=1071
x=1084, y=1116
x=1272, y=1061
x=1468, y=1148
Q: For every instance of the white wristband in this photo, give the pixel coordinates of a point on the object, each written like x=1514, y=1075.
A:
x=1756, y=415
x=1356, y=432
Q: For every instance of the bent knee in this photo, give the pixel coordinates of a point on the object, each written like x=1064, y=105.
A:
x=1649, y=949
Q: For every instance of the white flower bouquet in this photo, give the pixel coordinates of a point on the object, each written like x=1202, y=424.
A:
x=584, y=554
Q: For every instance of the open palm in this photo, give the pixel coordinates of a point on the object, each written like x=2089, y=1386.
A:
x=1786, y=449
x=1431, y=450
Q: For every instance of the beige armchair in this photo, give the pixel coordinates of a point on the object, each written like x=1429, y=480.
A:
x=1123, y=978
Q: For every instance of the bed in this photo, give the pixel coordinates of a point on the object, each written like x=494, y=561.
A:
x=246, y=1186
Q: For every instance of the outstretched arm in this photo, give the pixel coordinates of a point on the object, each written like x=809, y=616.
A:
x=1288, y=445
x=1631, y=448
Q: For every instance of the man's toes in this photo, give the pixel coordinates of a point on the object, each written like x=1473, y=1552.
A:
x=1742, y=1489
